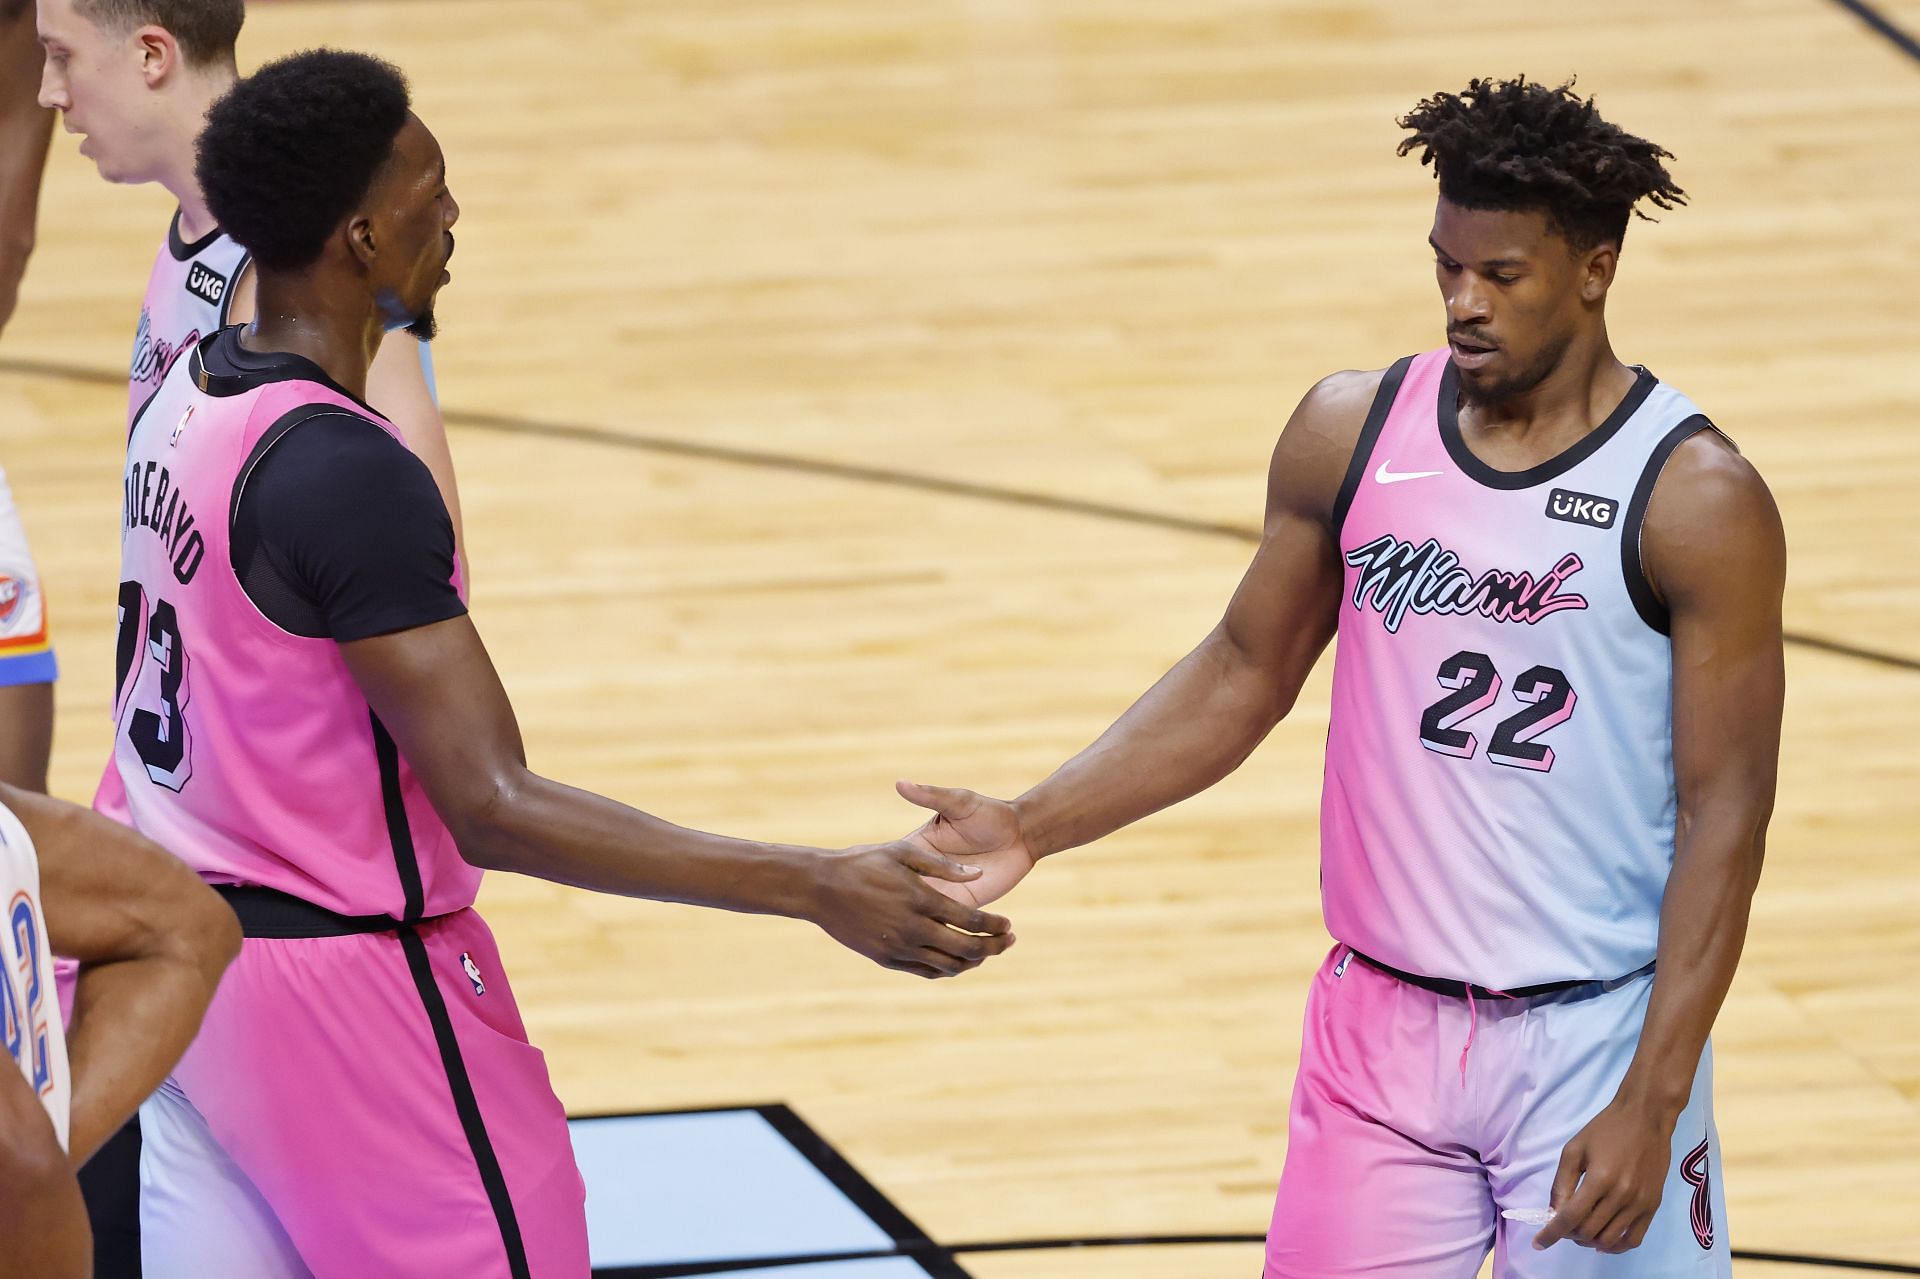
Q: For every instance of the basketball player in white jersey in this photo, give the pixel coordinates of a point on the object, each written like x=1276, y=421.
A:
x=27, y=667
x=152, y=941
x=1551, y=755
x=136, y=78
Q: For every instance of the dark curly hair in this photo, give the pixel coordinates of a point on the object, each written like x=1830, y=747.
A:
x=1512, y=144
x=205, y=30
x=290, y=150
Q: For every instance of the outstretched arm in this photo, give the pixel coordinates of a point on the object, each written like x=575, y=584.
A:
x=1715, y=552
x=25, y=130
x=435, y=690
x=152, y=941
x=1208, y=713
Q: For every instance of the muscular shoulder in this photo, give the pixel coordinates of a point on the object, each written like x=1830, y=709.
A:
x=1317, y=445
x=1711, y=520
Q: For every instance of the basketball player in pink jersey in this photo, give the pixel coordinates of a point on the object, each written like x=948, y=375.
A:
x=136, y=78
x=1556, y=591
x=307, y=716
x=152, y=941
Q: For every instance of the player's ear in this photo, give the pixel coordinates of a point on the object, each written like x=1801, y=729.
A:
x=1597, y=266
x=360, y=240
x=159, y=54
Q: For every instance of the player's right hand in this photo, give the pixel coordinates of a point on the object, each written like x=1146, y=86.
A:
x=878, y=900
x=979, y=830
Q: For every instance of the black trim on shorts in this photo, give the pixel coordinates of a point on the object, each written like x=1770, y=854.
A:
x=1652, y=611
x=1369, y=436
x=1582, y=449
x=270, y=913
x=464, y=1102
x=399, y=833
x=1464, y=989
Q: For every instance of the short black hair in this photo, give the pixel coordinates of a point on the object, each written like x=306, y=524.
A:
x=205, y=30
x=1513, y=144
x=290, y=150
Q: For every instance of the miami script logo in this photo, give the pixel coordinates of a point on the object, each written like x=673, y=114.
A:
x=1396, y=576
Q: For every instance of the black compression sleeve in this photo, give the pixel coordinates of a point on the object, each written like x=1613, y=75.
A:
x=341, y=532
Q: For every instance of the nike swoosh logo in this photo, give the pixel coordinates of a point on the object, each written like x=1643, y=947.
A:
x=1384, y=476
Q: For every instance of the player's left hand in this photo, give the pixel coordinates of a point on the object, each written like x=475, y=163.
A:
x=1610, y=1180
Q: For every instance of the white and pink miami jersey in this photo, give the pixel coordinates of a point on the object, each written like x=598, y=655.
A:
x=247, y=751
x=1499, y=804
x=188, y=296
x=32, y=1014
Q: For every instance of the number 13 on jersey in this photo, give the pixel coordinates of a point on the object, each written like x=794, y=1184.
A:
x=153, y=705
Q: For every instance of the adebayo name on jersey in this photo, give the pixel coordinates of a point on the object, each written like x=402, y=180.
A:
x=153, y=502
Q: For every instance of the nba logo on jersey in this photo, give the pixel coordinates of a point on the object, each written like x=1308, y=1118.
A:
x=473, y=972
x=180, y=426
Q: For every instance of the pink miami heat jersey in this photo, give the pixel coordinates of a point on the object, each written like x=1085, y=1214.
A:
x=188, y=297
x=246, y=750
x=32, y=1014
x=1499, y=804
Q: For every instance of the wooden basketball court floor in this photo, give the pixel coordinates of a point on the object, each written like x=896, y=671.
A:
x=844, y=390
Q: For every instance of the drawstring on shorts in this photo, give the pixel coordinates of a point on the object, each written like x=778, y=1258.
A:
x=1473, y=1024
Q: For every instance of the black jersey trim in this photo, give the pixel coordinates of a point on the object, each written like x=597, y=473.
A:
x=1645, y=602
x=465, y=1103
x=223, y=367
x=1369, y=436
x=1582, y=449
x=181, y=250
x=399, y=832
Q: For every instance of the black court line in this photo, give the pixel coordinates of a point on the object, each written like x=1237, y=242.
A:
x=768, y=460
x=909, y=1240
x=1882, y=26
x=912, y=1243
x=1135, y=1241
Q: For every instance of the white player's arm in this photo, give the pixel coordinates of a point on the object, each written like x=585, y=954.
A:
x=25, y=130
x=1716, y=555
x=152, y=941
x=43, y=1221
x=436, y=691
x=1206, y=715
x=397, y=387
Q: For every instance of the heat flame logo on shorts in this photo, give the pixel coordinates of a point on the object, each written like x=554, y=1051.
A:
x=1694, y=1172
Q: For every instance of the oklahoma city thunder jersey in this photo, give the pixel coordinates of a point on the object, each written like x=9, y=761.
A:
x=1499, y=804
x=31, y=1011
x=247, y=751
x=188, y=296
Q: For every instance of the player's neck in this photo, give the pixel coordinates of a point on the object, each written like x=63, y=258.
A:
x=1588, y=383
x=309, y=316
x=184, y=116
